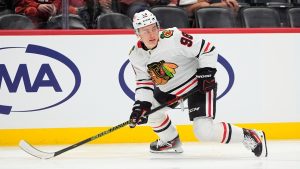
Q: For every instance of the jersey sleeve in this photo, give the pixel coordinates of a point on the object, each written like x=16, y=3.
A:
x=195, y=46
x=144, y=85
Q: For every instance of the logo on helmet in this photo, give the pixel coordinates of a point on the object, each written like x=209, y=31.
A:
x=142, y=19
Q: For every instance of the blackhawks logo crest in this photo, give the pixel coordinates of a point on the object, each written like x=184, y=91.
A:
x=166, y=34
x=161, y=72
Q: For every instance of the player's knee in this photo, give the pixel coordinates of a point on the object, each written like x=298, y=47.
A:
x=156, y=118
x=203, y=129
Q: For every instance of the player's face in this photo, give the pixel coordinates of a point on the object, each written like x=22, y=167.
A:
x=149, y=35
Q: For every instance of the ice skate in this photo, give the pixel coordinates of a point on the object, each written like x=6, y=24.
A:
x=255, y=141
x=173, y=146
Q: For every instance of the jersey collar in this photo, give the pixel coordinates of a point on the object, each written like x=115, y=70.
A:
x=140, y=44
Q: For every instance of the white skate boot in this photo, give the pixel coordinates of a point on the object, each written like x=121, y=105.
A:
x=173, y=146
x=255, y=141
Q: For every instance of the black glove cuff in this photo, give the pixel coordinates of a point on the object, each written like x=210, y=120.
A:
x=206, y=79
x=206, y=72
x=144, y=105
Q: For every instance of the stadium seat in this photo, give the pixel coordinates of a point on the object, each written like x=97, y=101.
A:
x=75, y=22
x=169, y=16
x=272, y=3
x=294, y=17
x=6, y=11
x=243, y=3
x=296, y=2
x=281, y=6
x=260, y=17
x=114, y=21
x=15, y=21
x=215, y=17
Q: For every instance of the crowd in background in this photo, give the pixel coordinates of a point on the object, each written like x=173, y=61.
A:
x=40, y=11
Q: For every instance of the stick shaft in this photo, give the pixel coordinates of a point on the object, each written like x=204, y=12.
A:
x=110, y=130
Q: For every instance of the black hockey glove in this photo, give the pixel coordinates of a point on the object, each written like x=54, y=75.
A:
x=138, y=111
x=206, y=79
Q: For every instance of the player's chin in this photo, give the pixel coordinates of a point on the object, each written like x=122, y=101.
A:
x=153, y=43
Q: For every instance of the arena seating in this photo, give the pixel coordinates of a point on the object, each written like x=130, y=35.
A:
x=75, y=22
x=215, y=17
x=260, y=17
x=252, y=14
x=293, y=16
x=15, y=21
x=114, y=21
x=171, y=17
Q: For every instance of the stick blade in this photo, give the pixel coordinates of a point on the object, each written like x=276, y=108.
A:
x=28, y=148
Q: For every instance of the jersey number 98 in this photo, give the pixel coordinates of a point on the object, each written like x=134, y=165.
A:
x=186, y=39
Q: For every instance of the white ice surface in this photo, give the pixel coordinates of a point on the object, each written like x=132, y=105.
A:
x=282, y=155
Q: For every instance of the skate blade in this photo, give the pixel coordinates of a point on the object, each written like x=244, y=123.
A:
x=264, y=143
x=170, y=150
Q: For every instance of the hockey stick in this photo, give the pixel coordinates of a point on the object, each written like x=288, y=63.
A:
x=27, y=147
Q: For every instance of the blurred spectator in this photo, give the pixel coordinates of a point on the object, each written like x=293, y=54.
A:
x=101, y=7
x=76, y=5
x=130, y=7
x=193, y=5
x=6, y=7
x=83, y=8
x=38, y=11
x=162, y=2
x=2, y=5
x=106, y=6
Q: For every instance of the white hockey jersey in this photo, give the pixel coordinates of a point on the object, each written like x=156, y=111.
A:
x=172, y=65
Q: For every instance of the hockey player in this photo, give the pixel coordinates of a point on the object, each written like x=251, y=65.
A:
x=170, y=63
